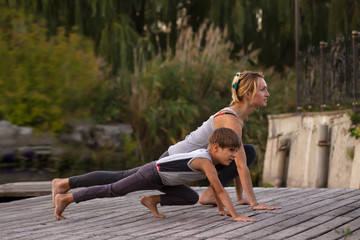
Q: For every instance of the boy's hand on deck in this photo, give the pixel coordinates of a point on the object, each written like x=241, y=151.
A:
x=263, y=206
x=244, y=219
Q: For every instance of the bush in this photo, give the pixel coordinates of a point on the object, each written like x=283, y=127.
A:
x=44, y=81
x=355, y=128
x=169, y=97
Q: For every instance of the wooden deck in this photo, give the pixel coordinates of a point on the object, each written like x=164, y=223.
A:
x=25, y=189
x=305, y=214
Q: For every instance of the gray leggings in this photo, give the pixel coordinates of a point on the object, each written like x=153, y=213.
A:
x=146, y=178
x=226, y=173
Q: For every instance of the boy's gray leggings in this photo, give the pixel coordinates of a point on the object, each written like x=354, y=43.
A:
x=146, y=178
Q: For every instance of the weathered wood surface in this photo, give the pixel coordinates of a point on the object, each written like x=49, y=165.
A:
x=25, y=189
x=305, y=214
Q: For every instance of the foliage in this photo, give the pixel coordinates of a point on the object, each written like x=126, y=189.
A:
x=344, y=17
x=44, y=81
x=116, y=26
x=355, y=117
x=355, y=129
x=163, y=97
x=344, y=232
x=169, y=98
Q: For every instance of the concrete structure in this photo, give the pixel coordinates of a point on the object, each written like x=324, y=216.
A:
x=312, y=150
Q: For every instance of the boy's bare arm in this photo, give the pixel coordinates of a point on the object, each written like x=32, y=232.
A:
x=206, y=166
x=219, y=190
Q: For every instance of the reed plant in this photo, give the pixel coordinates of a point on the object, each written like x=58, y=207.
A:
x=174, y=92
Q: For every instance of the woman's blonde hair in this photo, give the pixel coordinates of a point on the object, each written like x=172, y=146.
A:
x=243, y=83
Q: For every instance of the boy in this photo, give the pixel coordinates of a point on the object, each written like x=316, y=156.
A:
x=168, y=175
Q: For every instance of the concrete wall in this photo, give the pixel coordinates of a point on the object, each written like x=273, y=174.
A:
x=312, y=150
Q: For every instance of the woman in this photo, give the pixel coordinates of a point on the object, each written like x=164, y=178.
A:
x=249, y=91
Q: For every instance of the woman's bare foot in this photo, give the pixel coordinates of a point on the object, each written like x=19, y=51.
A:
x=243, y=202
x=59, y=186
x=61, y=202
x=207, y=197
x=150, y=202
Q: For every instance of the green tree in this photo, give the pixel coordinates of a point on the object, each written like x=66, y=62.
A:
x=117, y=26
x=44, y=81
x=344, y=17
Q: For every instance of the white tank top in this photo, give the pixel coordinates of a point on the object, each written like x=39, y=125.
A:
x=197, y=139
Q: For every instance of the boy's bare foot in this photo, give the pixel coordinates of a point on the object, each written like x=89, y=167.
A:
x=59, y=186
x=150, y=202
x=61, y=202
x=207, y=197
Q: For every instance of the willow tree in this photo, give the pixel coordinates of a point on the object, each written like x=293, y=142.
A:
x=344, y=17
x=117, y=27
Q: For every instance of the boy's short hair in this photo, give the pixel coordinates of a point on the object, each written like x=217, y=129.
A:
x=225, y=137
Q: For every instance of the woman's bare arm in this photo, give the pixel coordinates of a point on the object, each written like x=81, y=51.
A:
x=221, y=194
x=230, y=121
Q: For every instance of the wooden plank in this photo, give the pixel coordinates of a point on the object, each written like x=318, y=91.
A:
x=25, y=189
